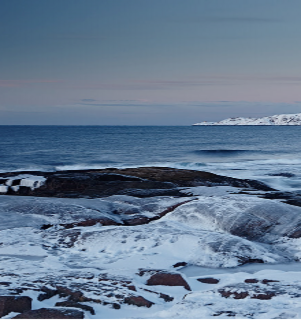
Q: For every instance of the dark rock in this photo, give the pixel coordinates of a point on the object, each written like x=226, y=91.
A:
x=166, y=297
x=14, y=304
x=163, y=296
x=51, y=313
x=167, y=279
x=132, y=288
x=72, y=304
x=5, y=283
x=245, y=260
x=264, y=296
x=208, y=280
x=138, y=301
x=91, y=222
x=266, y=281
x=282, y=174
x=233, y=294
x=76, y=296
x=46, y=226
x=227, y=313
x=140, y=182
x=180, y=264
x=255, y=293
x=251, y=281
x=48, y=293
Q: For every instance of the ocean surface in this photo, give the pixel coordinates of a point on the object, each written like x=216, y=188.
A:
x=267, y=153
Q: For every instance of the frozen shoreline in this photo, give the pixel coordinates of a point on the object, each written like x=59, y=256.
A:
x=103, y=251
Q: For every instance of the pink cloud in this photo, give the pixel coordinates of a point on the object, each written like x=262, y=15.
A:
x=20, y=83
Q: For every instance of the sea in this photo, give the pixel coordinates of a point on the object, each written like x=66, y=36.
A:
x=271, y=154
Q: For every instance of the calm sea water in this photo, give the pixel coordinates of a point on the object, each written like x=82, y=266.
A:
x=268, y=153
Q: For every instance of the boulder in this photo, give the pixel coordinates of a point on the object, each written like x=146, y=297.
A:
x=51, y=313
x=167, y=279
x=14, y=304
x=138, y=301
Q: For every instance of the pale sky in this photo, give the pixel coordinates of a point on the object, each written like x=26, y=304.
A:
x=148, y=62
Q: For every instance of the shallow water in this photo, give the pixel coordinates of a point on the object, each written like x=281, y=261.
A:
x=271, y=154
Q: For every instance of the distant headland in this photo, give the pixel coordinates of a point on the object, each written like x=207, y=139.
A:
x=276, y=120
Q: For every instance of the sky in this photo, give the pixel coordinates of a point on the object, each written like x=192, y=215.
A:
x=147, y=62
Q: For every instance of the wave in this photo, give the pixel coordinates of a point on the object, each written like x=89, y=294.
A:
x=230, y=152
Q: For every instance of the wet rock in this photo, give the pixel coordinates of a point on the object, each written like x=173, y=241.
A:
x=138, y=301
x=51, y=313
x=208, y=280
x=14, y=304
x=72, y=304
x=139, y=182
x=167, y=279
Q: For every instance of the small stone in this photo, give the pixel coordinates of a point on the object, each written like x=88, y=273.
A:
x=251, y=281
x=180, y=264
x=208, y=280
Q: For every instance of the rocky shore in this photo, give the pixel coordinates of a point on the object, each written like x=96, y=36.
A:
x=89, y=243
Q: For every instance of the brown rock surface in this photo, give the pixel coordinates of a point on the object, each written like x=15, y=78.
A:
x=51, y=313
x=138, y=301
x=14, y=304
x=167, y=279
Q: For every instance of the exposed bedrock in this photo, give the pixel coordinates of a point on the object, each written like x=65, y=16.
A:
x=139, y=182
x=10, y=304
x=51, y=313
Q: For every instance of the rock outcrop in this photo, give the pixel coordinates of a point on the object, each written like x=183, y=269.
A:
x=14, y=304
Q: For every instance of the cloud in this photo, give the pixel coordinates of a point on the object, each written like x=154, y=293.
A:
x=21, y=83
x=88, y=100
x=233, y=19
x=195, y=81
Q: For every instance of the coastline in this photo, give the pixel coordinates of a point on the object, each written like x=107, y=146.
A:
x=111, y=242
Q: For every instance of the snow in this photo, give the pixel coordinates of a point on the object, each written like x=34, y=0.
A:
x=204, y=232
x=278, y=120
x=26, y=180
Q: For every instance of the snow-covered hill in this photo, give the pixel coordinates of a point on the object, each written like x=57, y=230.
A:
x=276, y=120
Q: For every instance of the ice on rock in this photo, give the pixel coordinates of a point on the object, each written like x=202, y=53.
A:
x=26, y=180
